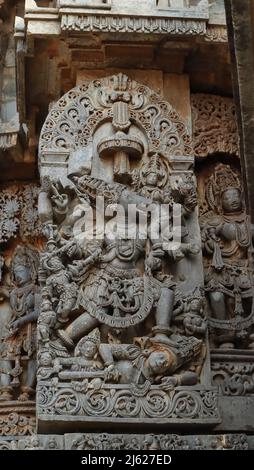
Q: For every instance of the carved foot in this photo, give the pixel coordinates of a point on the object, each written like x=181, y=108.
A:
x=161, y=335
x=27, y=393
x=65, y=339
x=6, y=393
x=58, y=347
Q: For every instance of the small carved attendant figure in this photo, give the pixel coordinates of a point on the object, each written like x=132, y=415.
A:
x=226, y=244
x=46, y=322
x=194, y=323
x=33, y=444
x=52, y=444
x=46, y=365
x=59, y=285
x=152, y=180
x=87, y=352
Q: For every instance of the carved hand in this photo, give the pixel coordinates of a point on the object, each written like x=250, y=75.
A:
x=61, y=201
x=112, y=374
x=152, y=264
x=169, y=383
x=191, y=248
x=16, y=324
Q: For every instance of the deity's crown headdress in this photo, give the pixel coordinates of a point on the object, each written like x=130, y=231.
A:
x=94, y=337
x=27, y=257
x=222, y=179
x=153, y=165
x=156, y=164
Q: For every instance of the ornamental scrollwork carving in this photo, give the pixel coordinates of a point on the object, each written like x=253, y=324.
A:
x=73, y=119
x=19, y=215
x=214, y=125
x=120, y=402
x=16, y=424
x=234, y=379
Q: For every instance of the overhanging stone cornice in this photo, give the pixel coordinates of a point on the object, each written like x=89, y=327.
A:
x=112, y=17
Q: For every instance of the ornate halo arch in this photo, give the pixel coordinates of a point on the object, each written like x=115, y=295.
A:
x=74, y=118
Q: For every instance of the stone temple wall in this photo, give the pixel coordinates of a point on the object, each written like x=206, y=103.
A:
x=126, y=278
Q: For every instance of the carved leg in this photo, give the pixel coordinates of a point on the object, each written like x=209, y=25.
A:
x=78, y=328
x=218, y=305
x=6, y=389
x=28, y=381
x=163, y=314
x=219, y=310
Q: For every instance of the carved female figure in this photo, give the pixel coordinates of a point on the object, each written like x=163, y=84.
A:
x=226, y=243
x=20, y=344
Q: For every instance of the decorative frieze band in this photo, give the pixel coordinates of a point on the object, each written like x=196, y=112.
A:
x=129, y=442
x=125, y=24
x=216, y=33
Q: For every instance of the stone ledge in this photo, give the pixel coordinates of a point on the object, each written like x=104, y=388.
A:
x=66, y=407
x=97, y=441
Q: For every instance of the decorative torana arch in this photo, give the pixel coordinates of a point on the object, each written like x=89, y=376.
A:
x=72, y=121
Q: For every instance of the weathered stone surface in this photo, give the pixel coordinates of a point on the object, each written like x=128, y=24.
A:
x=19, y=304
x=143, y=153
x=121, y=333
x=16, y=418
x=19, y=216
x=233, y=371
x=127, y=442
x=195, y=18
x=214, y=125
x=180, y=100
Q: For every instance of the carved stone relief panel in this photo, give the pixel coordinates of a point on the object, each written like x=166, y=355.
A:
x=214, y=125
x=121, y=331
x=233, y=372
x=227, y=251
x=21, y=237
x=19, y=214
x=146, y=442
x=19, y=307
x=34, y=442
x=155, y=442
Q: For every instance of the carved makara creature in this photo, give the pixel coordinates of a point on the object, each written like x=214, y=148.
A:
x=18, y=361
x=226, y=240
